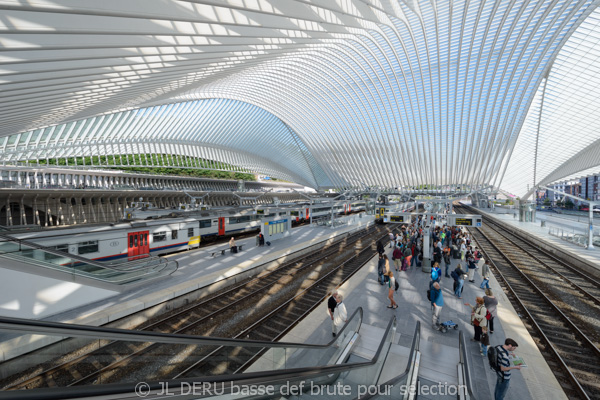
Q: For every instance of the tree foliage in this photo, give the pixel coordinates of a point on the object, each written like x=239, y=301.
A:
x=159, y=164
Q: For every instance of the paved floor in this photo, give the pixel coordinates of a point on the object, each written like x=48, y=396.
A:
x=439, y=351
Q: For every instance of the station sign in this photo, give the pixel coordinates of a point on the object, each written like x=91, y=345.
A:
x=465, y=220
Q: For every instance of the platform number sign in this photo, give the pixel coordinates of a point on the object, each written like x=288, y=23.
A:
x=478, y=222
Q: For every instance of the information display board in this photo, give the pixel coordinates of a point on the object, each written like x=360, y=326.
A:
x=397, y=218
x=465, y=220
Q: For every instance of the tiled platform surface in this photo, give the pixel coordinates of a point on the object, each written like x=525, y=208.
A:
x=439, y=351
x=568, y=223
x=197, y=269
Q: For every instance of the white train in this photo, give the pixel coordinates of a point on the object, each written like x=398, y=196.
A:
x=156, y=233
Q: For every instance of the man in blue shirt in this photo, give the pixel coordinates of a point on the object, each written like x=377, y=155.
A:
x=503, y=376
x=437, y=302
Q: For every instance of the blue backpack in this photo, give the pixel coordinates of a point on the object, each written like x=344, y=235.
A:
x=434, y=274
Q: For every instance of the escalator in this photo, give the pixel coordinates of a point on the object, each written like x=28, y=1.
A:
x=337, y=370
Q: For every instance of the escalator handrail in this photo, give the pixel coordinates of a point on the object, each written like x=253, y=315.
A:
x=411, y=360
x=97, y=332
x=252, y=378
x=466, y=366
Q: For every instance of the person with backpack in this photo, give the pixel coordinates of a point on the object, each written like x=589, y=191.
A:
x=407, y=258
x=498, y=357
x=437, y=302
x=478, y=319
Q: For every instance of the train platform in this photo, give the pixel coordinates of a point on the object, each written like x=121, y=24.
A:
x=556, y=221
x=440, y=352
x=197, y=269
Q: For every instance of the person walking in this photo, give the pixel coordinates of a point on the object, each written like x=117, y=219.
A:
x=437, y=302
x=491, y=304
x=485, y=274
x=459, y=280
x=478, y=319
x=391, y=288
x=331, y=305
x=340, y=315
x=503, y=376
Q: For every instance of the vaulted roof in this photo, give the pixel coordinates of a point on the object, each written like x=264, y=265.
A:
x=327, y=93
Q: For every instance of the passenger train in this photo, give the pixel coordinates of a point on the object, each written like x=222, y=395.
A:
x=146, y=230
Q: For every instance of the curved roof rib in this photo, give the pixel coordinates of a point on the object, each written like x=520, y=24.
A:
x=326, y=93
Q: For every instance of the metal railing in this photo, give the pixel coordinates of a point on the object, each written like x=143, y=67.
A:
x=277, y=379
x=119, y=272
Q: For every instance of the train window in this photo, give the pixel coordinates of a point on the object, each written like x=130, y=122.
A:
x=174, y=234
x=159, y=236
x=135, y=241
x=205, y=223
x=190, y=232
x=131, y=242
x=62, y=247
x=145, y=239
x=294, y=213
x=88, y=247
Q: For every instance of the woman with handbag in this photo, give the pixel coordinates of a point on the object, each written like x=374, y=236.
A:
x=478, y=319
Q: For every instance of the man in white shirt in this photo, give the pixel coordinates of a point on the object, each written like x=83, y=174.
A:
x=340, y=315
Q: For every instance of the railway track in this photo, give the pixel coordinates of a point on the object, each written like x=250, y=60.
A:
x=559, y=306
x=218, y=315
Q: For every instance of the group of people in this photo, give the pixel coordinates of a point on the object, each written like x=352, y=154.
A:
x=448, y=243
x=483, y=312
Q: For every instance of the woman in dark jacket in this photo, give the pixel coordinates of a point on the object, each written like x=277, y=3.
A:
x=380, y=248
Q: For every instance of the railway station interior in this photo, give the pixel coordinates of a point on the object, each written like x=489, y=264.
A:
x=250, y=199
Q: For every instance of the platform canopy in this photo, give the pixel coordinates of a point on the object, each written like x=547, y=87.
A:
x=326, y=93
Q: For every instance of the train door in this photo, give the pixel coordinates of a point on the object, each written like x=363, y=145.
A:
x=221, y=226
x=307, y=214
x=137, y=245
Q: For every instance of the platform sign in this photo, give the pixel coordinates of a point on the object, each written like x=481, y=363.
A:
x=465, y=220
